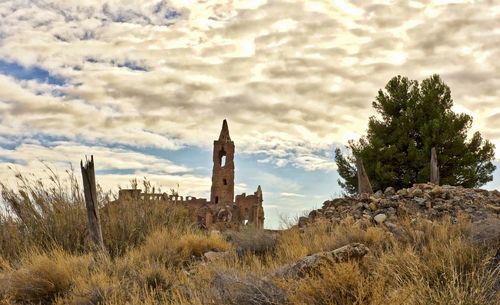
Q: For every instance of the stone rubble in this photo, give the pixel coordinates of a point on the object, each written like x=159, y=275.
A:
x=422, y=200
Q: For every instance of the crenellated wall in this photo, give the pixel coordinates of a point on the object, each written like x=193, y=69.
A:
x=245, y=211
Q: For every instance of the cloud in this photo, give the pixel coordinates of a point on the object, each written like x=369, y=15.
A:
x=291, y=195
x=108, y=158
x=293, y=78
x=114, y=167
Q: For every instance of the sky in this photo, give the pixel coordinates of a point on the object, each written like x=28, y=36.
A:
x=144, y=86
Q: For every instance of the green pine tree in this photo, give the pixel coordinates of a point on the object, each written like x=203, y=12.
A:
x=412, y=119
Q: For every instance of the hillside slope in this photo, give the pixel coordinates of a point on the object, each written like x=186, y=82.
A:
x=424, y=245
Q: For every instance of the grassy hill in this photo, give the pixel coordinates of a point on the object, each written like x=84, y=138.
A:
x=155, y=256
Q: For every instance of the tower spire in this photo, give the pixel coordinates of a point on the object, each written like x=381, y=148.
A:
x=224, y=133
x=223, y=171
x=259, y=191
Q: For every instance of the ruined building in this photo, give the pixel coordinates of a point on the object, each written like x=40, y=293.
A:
x=223, y=210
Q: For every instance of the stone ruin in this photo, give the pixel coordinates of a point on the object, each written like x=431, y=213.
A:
x=424, y=200
x=223, y=211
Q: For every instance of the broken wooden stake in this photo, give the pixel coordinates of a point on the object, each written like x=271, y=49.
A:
x=90, y=191
x=434, y=167
x=364, y=186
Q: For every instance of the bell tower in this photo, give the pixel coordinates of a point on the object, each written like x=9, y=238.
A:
x=222, y=191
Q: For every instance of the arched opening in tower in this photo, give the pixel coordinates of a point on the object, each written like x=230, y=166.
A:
x=222, y=158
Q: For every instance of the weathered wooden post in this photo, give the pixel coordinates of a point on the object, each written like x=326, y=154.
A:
x=434, y=167
x=364, y=186
x=90, y=191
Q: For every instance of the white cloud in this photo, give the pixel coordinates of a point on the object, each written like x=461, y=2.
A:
x=291, y=195
x=65, y=153
x=294, y=78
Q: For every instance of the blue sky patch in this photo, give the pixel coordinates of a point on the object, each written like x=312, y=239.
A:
x=20, y=72
x=169, y=13
x=132, y=66
x=172, y=14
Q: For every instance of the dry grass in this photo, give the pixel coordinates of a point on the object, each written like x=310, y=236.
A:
x=157, y=258
x=177, y=246
x=252, y=241
x=43, y=214
x=41, y=278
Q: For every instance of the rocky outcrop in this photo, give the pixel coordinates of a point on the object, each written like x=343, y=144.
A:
x=312, y=263
x=422, y=200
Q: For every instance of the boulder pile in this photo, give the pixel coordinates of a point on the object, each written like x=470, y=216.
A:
x=422, y=200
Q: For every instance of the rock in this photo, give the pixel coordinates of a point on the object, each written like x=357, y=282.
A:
x=447, y=207
x=469, y=210
x=420, y=201
x=417, y=192
x=339, y=202
x=436, y=191
x=446, y=195
x=426, y=186
x=378, y=194
x=327, y=204
x=402, y=210
x=312, y=263
x=495, y=194
x=303, y=221
x=402, y=192
x=493, y=208
x=314, y=214
x=389, y=191
x=384, y=203
x=364, y=196
x=215, y=233
x=397, y=231
x=212, y=256
x=427, y=201
x=485, y=231
x=329, y=212
x=380, y=218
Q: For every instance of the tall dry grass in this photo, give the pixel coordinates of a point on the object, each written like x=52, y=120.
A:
x=157, y=258
x=50, y=213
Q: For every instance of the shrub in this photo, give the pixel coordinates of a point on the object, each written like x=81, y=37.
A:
x=43, y=277
x=128, y=224
x=253, y=241
x=234, y=289
x=173, y=247
x=340, y=284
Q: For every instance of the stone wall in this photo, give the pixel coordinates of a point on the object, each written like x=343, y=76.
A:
x=222, y=211
x=246, y=211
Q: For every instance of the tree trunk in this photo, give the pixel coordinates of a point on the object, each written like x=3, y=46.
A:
x=90, y=191
x=364, y=186
x=434, y=167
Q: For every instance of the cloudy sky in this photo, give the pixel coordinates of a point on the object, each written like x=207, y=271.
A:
x=144, y=85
